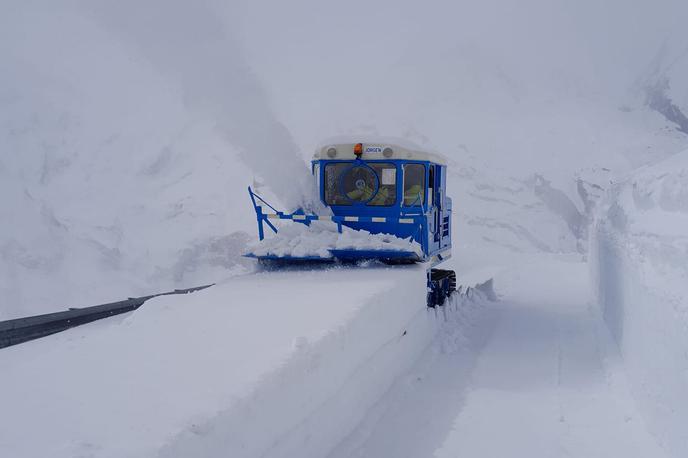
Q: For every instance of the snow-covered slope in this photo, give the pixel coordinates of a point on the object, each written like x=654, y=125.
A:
x=526, y=121
x=639, y=257
x=663, y=85
x=127, y=140
x=123, y=172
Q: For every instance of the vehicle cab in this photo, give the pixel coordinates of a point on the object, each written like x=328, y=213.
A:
x=387, y=188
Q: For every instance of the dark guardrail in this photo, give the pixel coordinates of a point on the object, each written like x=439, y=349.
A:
x=20, y=330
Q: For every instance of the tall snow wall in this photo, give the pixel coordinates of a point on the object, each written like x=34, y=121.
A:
x=639, y=262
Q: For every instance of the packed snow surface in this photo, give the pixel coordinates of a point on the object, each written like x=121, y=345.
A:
x=318, y=239
x=533, y=375
x=339, y=363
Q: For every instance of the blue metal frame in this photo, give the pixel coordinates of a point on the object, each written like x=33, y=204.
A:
x=416, y=221
x=431, y=243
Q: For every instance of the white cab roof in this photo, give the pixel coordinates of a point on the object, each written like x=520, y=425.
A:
x=373, y=149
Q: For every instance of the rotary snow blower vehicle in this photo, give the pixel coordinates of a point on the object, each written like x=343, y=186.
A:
x=380, y=189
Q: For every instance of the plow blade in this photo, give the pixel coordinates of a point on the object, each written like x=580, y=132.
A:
x=343, y=255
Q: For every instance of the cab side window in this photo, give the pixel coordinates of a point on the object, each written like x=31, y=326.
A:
x=414, y=184
x=431, y=186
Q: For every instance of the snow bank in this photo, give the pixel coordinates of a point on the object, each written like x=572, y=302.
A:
x=638, y=259
x=273, y=364
x=299, y=240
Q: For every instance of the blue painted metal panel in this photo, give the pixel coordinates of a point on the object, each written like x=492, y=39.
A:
x=272, y=257
x=417, y=231
x=427, y=222
x=345, y=255
x=375, y=254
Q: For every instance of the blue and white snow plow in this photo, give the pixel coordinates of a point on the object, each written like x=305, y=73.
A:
x=377, y=192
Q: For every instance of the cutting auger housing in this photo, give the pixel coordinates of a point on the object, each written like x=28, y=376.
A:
x=379, y=188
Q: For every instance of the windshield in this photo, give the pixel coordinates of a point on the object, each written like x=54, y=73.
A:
x=349, y=183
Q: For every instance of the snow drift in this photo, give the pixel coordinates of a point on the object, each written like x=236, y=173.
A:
x=639, y=254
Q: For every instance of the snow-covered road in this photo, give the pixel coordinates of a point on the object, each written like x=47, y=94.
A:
x=368, y=373
x=536, y=375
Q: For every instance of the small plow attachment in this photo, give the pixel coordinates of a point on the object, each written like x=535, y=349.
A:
x=350, y=255
x=388, y=253
x=442, y=287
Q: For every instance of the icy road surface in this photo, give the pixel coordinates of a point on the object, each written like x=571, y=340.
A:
x=537, y=376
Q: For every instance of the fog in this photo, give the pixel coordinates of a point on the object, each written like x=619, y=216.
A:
x=281, y=76
x=396, y=62
x=129, y=131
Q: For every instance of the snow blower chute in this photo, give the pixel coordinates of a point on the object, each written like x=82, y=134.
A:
x=388, y=203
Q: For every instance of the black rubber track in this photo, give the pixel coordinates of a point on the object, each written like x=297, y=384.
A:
x=443, y=285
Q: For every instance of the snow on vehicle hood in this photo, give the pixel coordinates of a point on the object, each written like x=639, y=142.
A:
x=299, y=240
